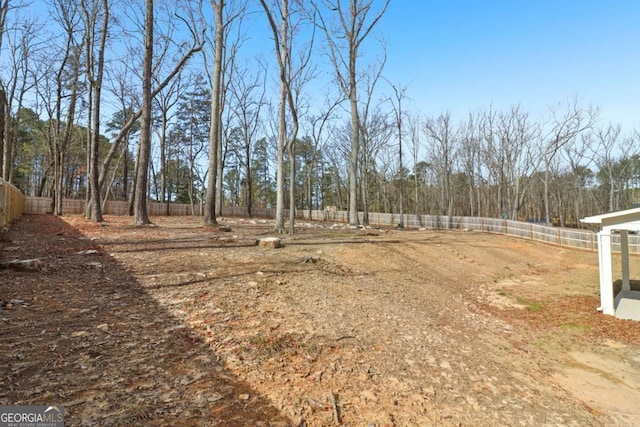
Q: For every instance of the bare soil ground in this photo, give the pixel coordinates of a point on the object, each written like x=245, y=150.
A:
x=182, y=325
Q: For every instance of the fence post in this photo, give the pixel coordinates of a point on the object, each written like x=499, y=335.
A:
x=559, y=237
x=3, y=205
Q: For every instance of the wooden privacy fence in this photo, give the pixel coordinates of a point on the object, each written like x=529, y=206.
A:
x=12, y=203
x=42, y=205
x=579, y=239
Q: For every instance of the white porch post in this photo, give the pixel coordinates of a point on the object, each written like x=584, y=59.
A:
x=606, y=284
x=624, y=250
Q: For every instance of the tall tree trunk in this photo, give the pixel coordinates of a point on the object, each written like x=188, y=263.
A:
x=309, y=192
x=351, y=28
x=282, y=52
x=355, y=144
x=94, y=200
x=547, y=209
x=364, y=181
x=88, y=148
x=292, y=187
x=163, y=163
x=399, y=94
x=140, y=203
x=4, y=9
x=132, y=194
x=221, y=155
x=248, y=173
x=125, y=171
x=280, y=170
x=3, y=103
x=64, y=142
x=214, y=131
x=95, y=72
x=7, y=137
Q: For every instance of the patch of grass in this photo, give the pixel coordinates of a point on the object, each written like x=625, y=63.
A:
x=531, y=305
x=501, y=292
x=575, y=326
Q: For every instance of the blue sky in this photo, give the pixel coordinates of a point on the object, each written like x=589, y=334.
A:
x=463, y=55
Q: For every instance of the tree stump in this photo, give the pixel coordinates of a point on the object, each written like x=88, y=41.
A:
x=270, y=243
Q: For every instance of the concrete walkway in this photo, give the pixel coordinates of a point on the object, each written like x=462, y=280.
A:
x=627, y=305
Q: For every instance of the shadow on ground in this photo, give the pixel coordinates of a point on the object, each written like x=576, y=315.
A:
x=80, y=331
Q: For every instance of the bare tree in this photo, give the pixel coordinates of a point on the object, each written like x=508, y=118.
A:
x=351, y=26
x=300, y=76
x=123, y=89
x=316, y=129
x=282, y=52
x=293, y=76
x=415, y=141
x=140, y=215
x=613, y=155
x=383, y=162
x=225, y=13
x=22, y=44
x=442, y=136
x=191, y=132
x=577, y=156
x=3, y=120
x=337, y=154
x=248, y=92
x=165, y=101
x=4, y=9
x=496, y=149
x=180, y=57
x=62, y=140
x=564, y=125
x=399, y=94
x=515, y=134
x=96, y=21
x=470, y=141
x=234, y=37
x=46, y=104
x=34, y=64
x=196, y=45
x=369, y=123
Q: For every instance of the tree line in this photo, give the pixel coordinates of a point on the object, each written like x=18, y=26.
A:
x=115, y=100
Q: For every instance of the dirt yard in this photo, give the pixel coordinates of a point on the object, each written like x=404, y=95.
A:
x=181, y=325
